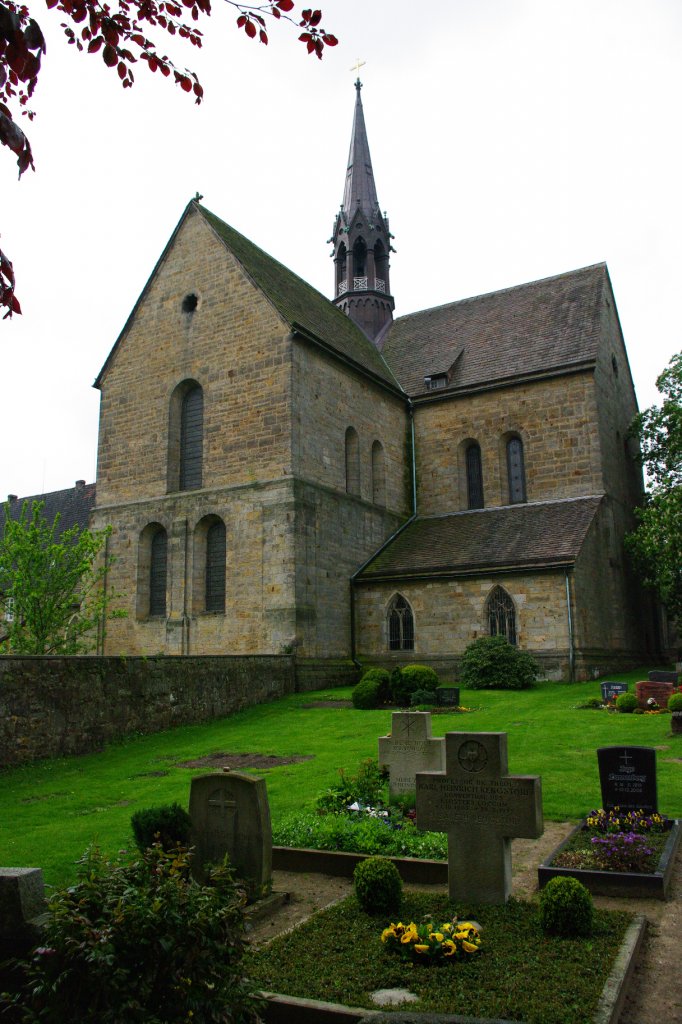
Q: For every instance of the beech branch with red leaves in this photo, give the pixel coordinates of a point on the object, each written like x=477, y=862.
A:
x=120, y=37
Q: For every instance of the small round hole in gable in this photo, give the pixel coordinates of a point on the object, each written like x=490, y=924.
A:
x=190, y=303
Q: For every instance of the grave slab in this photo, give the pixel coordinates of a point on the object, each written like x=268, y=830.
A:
x=481, y=808
x=409, y=749
x=231, y=815
x=627, y=776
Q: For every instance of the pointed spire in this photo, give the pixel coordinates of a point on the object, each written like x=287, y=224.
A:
x=360, y=189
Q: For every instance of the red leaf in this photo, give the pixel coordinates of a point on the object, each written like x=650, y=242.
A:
x=285, y=5
x=250, y=29
x=315, y=18
x=241, y=21
x=109, y=56
x=263, y=36
x=121, y=70
x=95, y=45
x=330, y=40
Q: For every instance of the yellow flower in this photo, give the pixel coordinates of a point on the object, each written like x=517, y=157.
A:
x=410, y=934
x=438, y=936
x=446, y=928
x=419, y=947
x=469, y=947
x=449, y=948
x=388, y=933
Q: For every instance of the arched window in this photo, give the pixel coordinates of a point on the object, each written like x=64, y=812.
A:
x=400, y=625
x=501, y=614
x=352, y=461
x=516, y=472
x=474, y=476
x=215, y=567
x=158, y=570
x=360, y=259
x=378, y=474
x=186, y=437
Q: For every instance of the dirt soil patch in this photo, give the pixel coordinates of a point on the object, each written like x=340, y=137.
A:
x=237, y=761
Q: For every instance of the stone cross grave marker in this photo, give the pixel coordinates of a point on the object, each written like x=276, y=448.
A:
x=481, y=807
x=231, y=815
x=409, y=749
x=627, y=776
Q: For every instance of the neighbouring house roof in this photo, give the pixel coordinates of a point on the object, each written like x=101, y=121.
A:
x=532, y=329
x=300, y=305
x=546, y=534
x=74, y=505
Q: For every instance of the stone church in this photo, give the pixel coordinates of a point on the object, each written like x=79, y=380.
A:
x=284, y=472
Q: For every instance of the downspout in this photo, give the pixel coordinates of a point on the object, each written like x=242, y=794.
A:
x=103, y=631
x=185, y=617
x=413, y=516
x=571, y=648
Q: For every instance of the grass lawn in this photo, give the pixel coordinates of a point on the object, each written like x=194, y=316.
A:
x=50, y=811
x=519, y=973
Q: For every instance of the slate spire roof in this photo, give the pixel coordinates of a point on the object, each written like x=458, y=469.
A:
x=360, y=189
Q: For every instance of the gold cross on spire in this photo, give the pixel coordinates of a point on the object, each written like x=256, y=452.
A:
x=358, y=64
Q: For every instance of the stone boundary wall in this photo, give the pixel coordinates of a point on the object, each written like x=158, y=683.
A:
x=55, y=706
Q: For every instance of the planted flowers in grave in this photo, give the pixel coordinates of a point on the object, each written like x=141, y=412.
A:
x=481, y=808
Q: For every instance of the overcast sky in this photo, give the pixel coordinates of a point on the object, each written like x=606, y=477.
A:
x=511, y=140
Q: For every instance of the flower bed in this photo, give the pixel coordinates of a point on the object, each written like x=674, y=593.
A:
x=619, y=847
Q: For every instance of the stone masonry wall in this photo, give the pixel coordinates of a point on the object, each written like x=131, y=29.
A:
x=51, y=707
x=560, y=462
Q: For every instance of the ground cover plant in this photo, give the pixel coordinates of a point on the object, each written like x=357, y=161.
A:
x=52, y=810
x=519, y=973
x=617, y=841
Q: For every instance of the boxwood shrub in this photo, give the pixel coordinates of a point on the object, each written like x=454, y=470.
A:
x=492, y=663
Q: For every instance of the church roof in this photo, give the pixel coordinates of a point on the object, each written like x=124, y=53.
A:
x=546, y=534
x=73, y=504
x=359, y=190
x=530, y=330
x=301, y=305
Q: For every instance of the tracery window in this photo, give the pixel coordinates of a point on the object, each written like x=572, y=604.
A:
x=516, y=472
x=501, y=614
x=474, y=474
x=400, y=625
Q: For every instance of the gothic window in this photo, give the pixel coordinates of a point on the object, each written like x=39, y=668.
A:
x=352, y=462
x=215, y=567
x=400, y=625
x=360, y=261
x=186, y=437
x=516, y=473
x=378, y=474
x=474, y=476
x=501, y=614
x=158, y=561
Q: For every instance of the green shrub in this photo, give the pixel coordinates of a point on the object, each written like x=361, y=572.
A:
x=170, y=825
x=592, y=703
x=492, y=663
x=359, y=834
x=383, y=677
x=142, y=943
x=366, y=787
x=627, y=703
x=378, y=886
x=675, y=702
x=405, y=681
x=566, y=908
x=366, y=694
x=427, y=697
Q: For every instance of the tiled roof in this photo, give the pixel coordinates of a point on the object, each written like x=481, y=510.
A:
x=74, y=504
x=531, y=329
x=513, y=536
x=300, y=304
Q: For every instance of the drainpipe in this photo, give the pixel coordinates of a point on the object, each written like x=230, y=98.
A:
x=413, y=516
x=103, y=631
x=185, y=616
x=571, y=648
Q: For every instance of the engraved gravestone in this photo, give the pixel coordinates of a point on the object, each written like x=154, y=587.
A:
x=409, y=749
x=481, y=807
x=659, y=676
x=628, y=778
x=610, y=691
x=231, y=815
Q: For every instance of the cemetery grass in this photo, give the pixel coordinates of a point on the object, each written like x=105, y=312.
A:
x=519, y=974
x=52, y=810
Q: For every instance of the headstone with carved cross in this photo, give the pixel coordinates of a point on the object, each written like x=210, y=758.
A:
x=231, y=815
x=481, y=807
x=409, y=749
x=628, y=778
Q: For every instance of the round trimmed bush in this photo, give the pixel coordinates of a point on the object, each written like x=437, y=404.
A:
x=566, y=907
x=378, y=886
x=170, y=825
x=492, y=663
x=423, y=697
x=405, y=681
x=675, y=702
x=383, y=677
x=627, y=703
x=366, y=694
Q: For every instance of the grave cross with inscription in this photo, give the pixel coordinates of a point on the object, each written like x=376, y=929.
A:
x=481, y=808
x=409, y=749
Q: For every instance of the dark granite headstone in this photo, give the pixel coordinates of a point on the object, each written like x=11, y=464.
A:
x=448, y=696
x=663, y=677
x=609, y=691
x=628, y=778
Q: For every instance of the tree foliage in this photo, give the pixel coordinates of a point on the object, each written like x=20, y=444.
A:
x=51, y=586
x=120, y=36
x=656, y=544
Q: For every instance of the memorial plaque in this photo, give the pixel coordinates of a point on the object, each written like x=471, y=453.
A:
x=481, y=808
x=231, y=815
x=448, y=696
x=628, y=778
x=409, y=749
x=609, y=691
x=663, y=677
